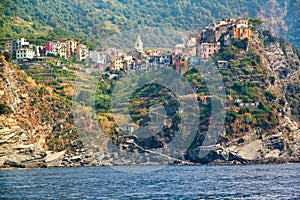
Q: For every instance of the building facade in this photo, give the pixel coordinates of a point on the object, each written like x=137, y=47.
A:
x=207, y=50
x=23, y=53
x=17, y=44
x=81, y=52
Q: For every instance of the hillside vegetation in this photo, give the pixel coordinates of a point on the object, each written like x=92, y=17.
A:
x=41, y=20
x=43, y=113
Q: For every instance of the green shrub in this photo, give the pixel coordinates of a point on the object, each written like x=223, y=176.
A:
x=7, y=56
x=43, y=91
x=272, y=79
x=263, y=108
x=4, y=109
x=270, y=96
x=241, y=44
x=103, y=102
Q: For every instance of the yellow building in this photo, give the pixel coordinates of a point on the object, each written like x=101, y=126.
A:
x=242, y=31
x=81, y=52
x=192, y=51
x=63, y=50
x=117, y=64
x=71, y=47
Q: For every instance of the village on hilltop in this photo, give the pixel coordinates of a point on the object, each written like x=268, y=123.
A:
x=182, y=57
x=22, y=51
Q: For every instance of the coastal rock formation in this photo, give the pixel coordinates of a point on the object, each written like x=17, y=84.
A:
x=37, y=129
x=29, y=114
x=281, y=143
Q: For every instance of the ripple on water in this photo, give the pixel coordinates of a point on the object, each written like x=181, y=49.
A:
x=172, y=182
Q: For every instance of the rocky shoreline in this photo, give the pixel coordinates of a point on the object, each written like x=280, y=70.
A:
x=10, y=165
x=85, y=158
x=35, y=113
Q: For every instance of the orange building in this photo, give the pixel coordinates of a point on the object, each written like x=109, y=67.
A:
x=207, y=50
x=242, y=31
x=242, y=21
x=185, y=64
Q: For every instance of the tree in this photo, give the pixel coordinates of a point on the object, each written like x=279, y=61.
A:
x=4, y=109
x=255, y=21
x=241, y=44
x=228, y=53
x=7, y=56
x=270, y=96
x=103, y=102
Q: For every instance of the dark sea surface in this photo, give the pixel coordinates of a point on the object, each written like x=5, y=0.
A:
x=170, y=182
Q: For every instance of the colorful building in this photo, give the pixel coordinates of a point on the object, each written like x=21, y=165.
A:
x=241, y=31
x=117, y=64
x=81, y=52
x=207, y=50
x=71, y=48
x=57, y=48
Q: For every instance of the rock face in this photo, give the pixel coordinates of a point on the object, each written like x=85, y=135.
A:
x=280, y=144
x=29, y=115
x=282, y=147
x=15, y=145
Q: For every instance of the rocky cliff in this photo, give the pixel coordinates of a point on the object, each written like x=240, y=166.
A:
x=278, y=144
x=37, y=129
x=35, y=123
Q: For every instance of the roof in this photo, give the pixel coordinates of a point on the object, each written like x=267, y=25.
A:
x=180, y=46
x=241, y=26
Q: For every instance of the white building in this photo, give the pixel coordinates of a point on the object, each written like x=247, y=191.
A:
x=139, y=46
x=222, y=64
x=228, y=40
x=20, y=43
x=97, y=57
x=24, y=53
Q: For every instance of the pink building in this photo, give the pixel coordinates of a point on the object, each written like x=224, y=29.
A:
x=207, y=50
x=51, y=48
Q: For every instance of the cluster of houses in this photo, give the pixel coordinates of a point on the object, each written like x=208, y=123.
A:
x=22, y=50
x=229, y=29
x=67, y=49
x=136, y=59
x=184, y=56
